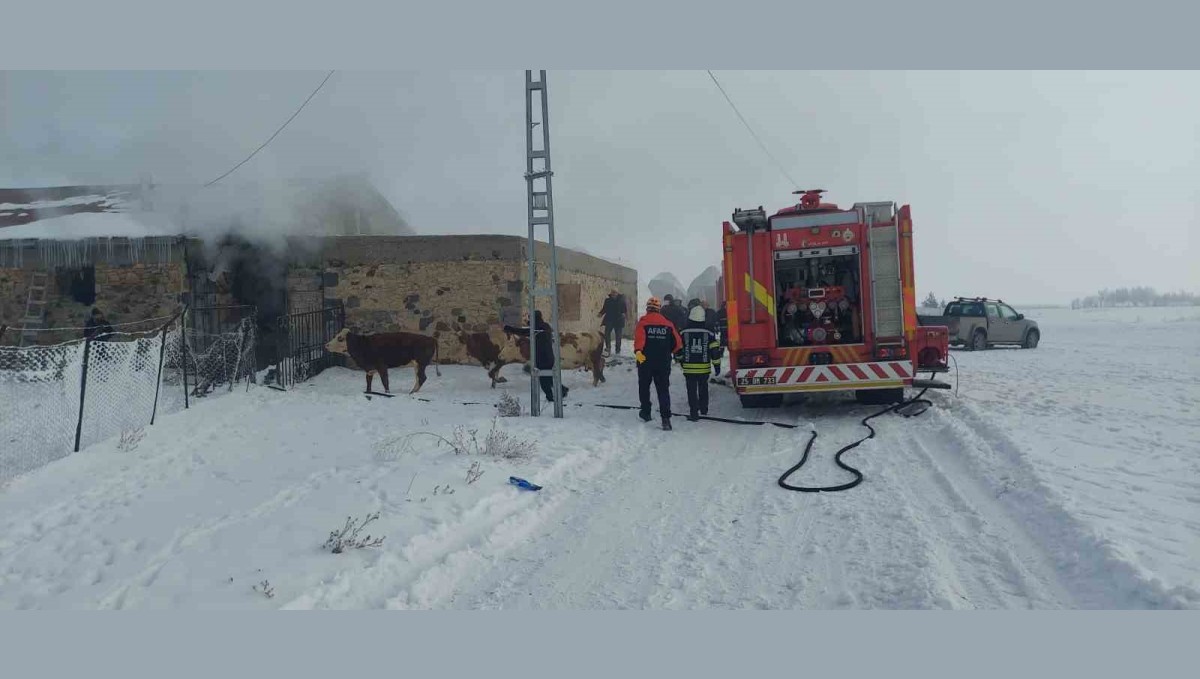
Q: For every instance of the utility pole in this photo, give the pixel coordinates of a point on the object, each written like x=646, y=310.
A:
x=541, y=213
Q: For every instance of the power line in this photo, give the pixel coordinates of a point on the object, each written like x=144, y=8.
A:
x=268, y=141
x=752, y=132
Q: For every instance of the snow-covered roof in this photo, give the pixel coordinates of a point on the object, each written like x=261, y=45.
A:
x=87, y=225
x=32, y=205
x=345, y=205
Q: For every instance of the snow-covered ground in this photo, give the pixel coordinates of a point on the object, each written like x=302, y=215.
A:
x=1063, y=477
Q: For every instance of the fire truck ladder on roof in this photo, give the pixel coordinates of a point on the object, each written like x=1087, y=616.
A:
x=887, y=298
x=35, y=307
x=541, y=213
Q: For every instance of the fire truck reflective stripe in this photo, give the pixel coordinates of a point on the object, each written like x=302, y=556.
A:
x=845, y=373
x=760, y=293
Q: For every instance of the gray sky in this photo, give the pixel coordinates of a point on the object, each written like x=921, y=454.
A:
x=1032, y=187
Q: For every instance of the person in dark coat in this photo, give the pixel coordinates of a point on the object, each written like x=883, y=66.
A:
x=673, y=310
x=544, y=350
x=97, y=326
x=701, y=353
x=655, y=343
x=613, y=313
x=723, y=324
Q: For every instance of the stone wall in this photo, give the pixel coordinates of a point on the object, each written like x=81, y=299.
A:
x=14, y=285
x=135, y=280
x=435, y=298
x=592, y=290
x=443, y=285
x=138, y=292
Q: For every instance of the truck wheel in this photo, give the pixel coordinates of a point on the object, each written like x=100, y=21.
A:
x=761, y=400
x=979, y=341
x=879, y=397
x=1031, y=339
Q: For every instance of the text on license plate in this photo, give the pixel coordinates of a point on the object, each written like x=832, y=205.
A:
x=755, y=381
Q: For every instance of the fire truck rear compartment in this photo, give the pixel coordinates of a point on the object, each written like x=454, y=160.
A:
x=819, y=298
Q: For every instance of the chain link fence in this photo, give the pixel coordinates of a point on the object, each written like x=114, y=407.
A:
x=60, y=398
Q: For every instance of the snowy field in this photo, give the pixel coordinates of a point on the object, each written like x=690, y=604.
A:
x=1063, y=477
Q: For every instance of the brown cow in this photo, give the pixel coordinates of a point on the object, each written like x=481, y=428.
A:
x=575, y=350
x=383, y=350
x=492, y=349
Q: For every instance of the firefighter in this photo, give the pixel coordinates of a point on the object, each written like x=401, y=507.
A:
x=655, y=343
x=701, y=352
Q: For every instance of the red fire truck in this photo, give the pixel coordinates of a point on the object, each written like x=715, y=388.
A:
x=821, y=298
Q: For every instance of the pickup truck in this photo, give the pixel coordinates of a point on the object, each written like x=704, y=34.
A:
x=978, y=323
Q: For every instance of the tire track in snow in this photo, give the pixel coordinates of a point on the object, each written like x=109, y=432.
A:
x=430, y=566
x=1088, y=566
x=635, y=538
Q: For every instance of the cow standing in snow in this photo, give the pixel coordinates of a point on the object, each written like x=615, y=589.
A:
x=377, y=352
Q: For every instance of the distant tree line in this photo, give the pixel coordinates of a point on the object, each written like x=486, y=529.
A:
x=931, y=302
x=1137, y=296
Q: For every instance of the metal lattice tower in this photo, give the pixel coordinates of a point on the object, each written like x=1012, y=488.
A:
x=541, y=213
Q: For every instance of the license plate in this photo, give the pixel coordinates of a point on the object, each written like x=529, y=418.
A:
x=755, y=381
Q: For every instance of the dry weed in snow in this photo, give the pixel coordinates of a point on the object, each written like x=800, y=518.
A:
x=463, y=441
x=347, y=538
x=509, y=406
x=474, y=472
x=130, y=438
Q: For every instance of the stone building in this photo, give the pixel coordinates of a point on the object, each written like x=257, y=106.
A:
x=302, y=246
x=437, y=285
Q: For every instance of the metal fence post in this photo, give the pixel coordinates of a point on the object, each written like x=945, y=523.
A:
x=87, y=349
x=162, y=351
x=183, y=353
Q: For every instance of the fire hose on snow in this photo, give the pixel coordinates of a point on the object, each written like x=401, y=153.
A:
x=899, y=408
x=837, y=457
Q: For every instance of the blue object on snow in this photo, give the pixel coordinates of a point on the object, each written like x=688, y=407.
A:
x=522, y=483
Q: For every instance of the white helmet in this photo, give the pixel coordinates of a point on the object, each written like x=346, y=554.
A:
x=697, y=314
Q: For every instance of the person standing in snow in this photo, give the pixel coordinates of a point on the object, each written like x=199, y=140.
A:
x=673, y=311
x=613, y=313
x=655, y=343
x=544, y=350
x=701, y=352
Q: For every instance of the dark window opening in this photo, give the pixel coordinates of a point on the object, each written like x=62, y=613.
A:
x=819, y=301
x=78, y=284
